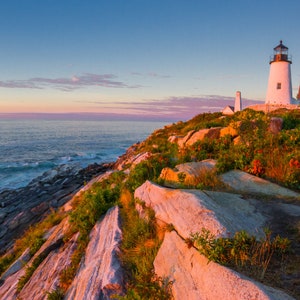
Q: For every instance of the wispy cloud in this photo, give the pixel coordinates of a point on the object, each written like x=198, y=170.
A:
x=150, y=74
x=68, y=84
x=174, y=108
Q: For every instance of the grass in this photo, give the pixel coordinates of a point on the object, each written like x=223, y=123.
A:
x=243, y=252
x=29, y=271
x=57, y=294
x=138, y=250
x=209, y=180
x=206, y=179
x=33, y=239
x=87, y=209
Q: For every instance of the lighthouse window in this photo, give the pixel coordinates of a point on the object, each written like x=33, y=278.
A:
x=278, y=85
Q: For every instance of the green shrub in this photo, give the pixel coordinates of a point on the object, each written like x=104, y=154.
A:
x=29, y=271
x=241, y=251
x=291, y=120
x=6, y=261
x=209, y=180
x=149, y=169
x=93, y=203
x=57, y=294
x=87, y=209
x=205, y=120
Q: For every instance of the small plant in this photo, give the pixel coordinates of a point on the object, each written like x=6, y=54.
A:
x=209, y=180
x=242, y=251
x=291, y=120
x=170, y=227
x=29, y=271
x=68, y=274
x=257, y=168
x=181, y=177
x=57, y=294
x=149, y=169
x=152, y=288
x=6, y=261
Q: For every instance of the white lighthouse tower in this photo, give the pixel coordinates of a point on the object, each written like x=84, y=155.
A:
x=280, y=82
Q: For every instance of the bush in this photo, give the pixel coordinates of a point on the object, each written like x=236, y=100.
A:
x=29, y=271
x=57, y=294
x=291, y=120
x=149, y=169
x=91, y=205
x=87, y=209
x=6, y=261
x=241, y=251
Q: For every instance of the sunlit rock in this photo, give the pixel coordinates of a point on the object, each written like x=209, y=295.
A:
x=46, y=277
x=195, y=278
x=211, y=133
x=189, y=211
x=229, y=130
x=100, y=275
x=187, y=173
x=245, y=182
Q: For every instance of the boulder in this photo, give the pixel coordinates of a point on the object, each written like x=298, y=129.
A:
x=194, y=136
x=195, y=278
x=100, y=275
x=244, y=182
x=131, y=160
x=182, y=141
x=229, y=130
x=211, y=133
x=46, y=277
x=8, y=288
x=17, y=265
x=191, y=210
x=141, y=157
x=275, y=125
x=191, y=171
x=174, y=139
x=125, y=160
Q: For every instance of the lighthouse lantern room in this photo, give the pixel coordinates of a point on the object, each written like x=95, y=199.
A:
x=279, y=90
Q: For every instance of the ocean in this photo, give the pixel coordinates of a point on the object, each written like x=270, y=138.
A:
x=28, y=148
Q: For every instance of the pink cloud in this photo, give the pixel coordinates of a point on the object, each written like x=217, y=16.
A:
x=174, y=108
x=68, y=84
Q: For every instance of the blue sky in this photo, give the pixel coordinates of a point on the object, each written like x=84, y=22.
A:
x=147, y=57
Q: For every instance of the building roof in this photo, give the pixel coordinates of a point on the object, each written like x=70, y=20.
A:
x=281, y=47
x=228, y=110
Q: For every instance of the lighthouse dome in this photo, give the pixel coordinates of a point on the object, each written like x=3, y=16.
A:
x=280, y=54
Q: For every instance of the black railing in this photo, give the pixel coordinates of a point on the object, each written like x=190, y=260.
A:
x=281, y=57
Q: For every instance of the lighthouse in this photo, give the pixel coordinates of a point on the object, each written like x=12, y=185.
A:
x=279, y=90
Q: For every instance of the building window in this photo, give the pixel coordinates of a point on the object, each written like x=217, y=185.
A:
x=278, y=85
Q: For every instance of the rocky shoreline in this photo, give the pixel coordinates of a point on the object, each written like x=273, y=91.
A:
x=178, y=209
x=25, y=206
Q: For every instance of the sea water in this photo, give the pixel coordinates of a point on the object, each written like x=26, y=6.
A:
x=28, y=148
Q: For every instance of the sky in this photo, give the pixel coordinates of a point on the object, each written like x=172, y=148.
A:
x=147, y=58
